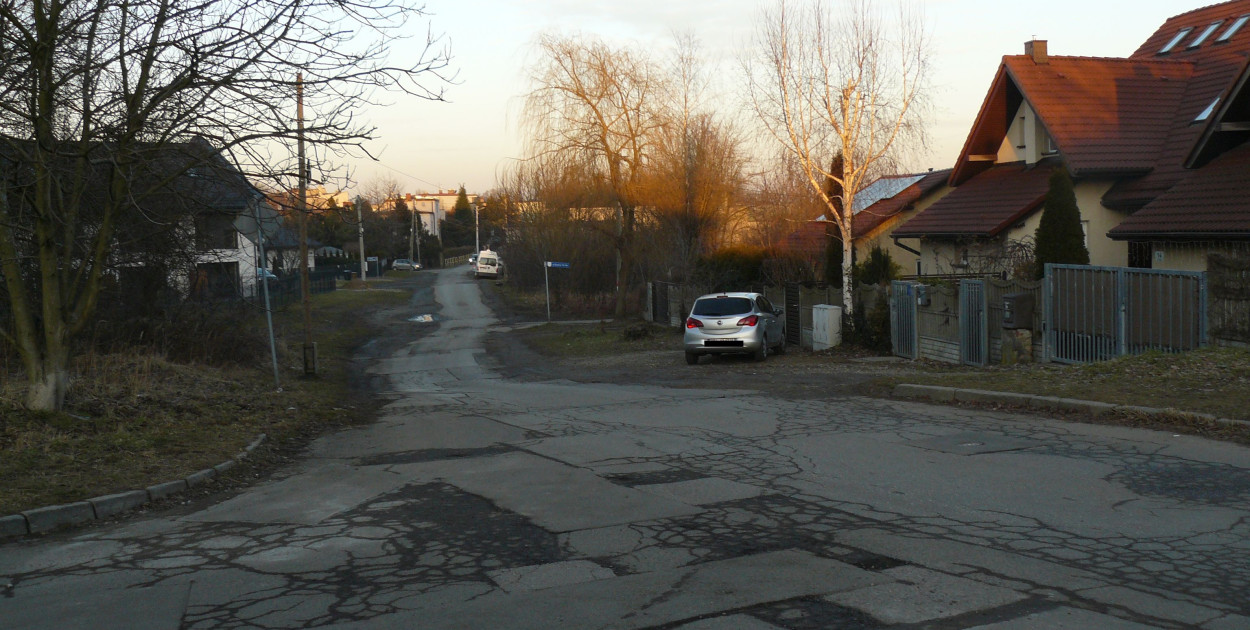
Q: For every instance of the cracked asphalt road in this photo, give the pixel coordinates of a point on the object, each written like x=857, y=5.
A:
x=488, y=496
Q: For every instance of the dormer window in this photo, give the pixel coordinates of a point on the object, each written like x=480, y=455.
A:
x=1176, y=40
x=1206, y=113
x=1050, y=147
x=1205, y=34
x=1232, y=30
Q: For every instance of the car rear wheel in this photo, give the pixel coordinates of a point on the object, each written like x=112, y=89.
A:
x=691, y=358
x=762, y=353
x=781, y=347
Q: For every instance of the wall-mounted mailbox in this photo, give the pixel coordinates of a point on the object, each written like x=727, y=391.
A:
x=1018, y=310
x=922, y=295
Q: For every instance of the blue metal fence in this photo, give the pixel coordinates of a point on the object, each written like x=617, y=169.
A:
x=903, y=319
x=1098, y=313
x=974, y=339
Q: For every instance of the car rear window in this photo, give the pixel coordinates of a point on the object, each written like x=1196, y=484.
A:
x=487, y=261
x=718, y=307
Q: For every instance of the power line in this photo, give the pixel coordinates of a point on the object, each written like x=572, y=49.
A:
x=409, y=176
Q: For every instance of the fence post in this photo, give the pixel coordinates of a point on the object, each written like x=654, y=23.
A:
x=1121, y=333
x=1202, y=310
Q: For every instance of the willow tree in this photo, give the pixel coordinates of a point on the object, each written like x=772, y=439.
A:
x=837, y=78
x=94, y=88
x=601, y=107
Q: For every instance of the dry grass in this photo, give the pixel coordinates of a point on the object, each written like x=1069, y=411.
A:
x=1212, y=380
x=133, y=420
x=604, y=339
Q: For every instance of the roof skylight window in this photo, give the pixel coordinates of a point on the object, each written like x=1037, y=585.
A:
x=1205, y=34
x=1176, y=40
x=1232, y=30
x=1206, y=113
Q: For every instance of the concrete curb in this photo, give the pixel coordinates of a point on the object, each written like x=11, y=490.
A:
x=52, y=517
x=936, y=393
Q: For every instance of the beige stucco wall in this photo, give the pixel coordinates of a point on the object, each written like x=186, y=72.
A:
x=1191, y=256
x=1026, y=139
x=945, y=257
x=881, y=236
x=1096, y=219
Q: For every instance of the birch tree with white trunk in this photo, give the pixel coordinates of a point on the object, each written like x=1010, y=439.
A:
x=838, y=77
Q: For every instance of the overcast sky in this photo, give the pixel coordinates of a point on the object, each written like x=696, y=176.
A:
x=427, y=145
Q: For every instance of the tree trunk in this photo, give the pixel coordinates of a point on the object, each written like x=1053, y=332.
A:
x=48, y=376
x=624, y=258
x=48, y=393
x=848, y=278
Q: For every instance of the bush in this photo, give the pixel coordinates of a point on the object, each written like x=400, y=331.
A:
x=870, y=326
x=880, y=268
x=1060, y=238
x=732, y=268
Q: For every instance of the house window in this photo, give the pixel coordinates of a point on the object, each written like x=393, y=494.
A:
x=1140, y=255
x=1205, y=34
x=1175, y=40
x=1206, y=113
x=215, y=231
x=1050, y=148
x=1232, y=30
x=215, y=280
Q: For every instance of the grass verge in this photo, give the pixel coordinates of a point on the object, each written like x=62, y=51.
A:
x=133, y=420
x=1210, y=380
x=602, y=339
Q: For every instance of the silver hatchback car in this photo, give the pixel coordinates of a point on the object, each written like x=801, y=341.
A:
x=734, y=323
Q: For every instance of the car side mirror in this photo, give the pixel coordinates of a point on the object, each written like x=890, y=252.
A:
x=778, y=311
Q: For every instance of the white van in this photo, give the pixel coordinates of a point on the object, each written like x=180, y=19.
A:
x=488, y=265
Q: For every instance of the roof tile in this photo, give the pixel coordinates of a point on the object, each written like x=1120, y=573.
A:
x=986, y=204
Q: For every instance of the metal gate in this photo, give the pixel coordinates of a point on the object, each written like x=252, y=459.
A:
x=1099, y=313
x=903, y=319
x=793, y=303
x=974, y=338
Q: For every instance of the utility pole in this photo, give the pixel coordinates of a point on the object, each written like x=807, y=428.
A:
x=360, y=223
x=477, y=231
x=412, y=230
x=301, y=210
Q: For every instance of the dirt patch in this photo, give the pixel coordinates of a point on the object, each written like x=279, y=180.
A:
x=615, y=352
x=1208, y=381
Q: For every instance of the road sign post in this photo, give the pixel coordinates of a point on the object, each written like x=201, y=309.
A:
x=547, y=281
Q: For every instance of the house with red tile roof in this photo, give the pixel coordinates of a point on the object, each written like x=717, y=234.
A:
x=881, y=207
x=1155, y=143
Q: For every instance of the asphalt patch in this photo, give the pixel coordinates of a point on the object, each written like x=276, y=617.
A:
x=672, y=475
x=1220, y=484
x=431, y=455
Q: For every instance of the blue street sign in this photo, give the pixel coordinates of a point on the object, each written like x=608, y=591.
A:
x=558, y=265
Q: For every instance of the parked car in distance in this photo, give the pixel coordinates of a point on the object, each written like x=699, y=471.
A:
x=403, y=264
x=488, y=265
x=734, y=323
x=472, y=260
x=265, y=274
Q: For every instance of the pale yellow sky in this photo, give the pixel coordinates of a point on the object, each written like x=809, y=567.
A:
x=427, y=145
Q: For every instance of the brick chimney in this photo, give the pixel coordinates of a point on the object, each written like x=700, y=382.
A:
x=1037, y=50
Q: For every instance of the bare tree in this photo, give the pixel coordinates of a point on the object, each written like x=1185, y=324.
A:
x=695, y=179
x=96, y=88
x=601, y=106
x=827, y=81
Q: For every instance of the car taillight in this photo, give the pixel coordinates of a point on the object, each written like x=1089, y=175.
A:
x=693, y=323
x=749, y=321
